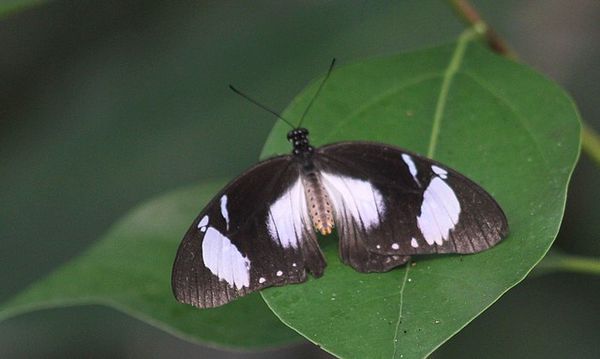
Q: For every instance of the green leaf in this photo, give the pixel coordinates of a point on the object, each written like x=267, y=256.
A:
x=511, y=130
x=130, y=270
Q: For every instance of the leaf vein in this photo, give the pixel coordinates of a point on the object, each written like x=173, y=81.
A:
x=451, y=70
x=402, y=287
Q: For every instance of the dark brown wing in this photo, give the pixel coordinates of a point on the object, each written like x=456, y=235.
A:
x=395, y=203
x=254, y=234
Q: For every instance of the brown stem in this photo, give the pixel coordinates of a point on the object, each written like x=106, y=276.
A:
x=470, y=15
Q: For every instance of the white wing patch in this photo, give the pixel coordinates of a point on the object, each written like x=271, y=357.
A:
x=288, y=216
x=439, y=211
x=439, y=171
x=224, y=211
x=355, y=197
x=414, y=243
x=224, y=259
x=411, y=167
x=203, y=223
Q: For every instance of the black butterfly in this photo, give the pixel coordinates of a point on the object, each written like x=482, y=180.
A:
x=386, y=203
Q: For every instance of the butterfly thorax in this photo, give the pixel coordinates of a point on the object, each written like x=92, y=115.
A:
x=299, y=139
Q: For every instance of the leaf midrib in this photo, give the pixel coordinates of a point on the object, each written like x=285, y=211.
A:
x=449, y=74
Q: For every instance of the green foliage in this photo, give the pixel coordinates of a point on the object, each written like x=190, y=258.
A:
x=130, y=270
x=511, y=130
x=506, y=127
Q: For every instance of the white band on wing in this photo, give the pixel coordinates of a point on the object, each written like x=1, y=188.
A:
x=355, y=197
x=224, y=259
x=439, y=211
x=288, y=216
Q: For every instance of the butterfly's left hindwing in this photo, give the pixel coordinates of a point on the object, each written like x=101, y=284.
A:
x=390, y=204
x=252, y=235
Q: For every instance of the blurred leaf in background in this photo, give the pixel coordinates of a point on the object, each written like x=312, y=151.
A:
x=129, y=269
x=105, y=104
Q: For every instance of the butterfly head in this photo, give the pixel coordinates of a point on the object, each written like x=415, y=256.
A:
x=299, y=139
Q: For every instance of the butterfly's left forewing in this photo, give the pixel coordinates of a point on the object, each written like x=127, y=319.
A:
x=390, y=204
x=252, y=235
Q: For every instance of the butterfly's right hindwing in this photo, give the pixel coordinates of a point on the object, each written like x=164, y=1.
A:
x=252, y=235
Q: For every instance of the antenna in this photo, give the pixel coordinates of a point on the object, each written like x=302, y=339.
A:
x=318, y=91
x=260, y=105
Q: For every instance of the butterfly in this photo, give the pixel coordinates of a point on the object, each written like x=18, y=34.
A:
x=385, y=203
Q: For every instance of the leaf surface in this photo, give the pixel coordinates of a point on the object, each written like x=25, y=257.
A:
x=511, y=130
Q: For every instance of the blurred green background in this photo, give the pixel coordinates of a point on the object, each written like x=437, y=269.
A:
x=104, y=104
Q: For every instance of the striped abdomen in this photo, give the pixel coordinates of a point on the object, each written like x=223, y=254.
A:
x=319, y=204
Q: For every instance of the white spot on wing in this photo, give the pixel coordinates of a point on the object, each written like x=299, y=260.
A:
x=279, y=273
x=411, y=167
x=395, y=246
x=439, y=212
x=203, y=223
x=224, y=260
x=288, y=216
x=439, y=171
x=224, y=211
x=355, y=197
x=261, y=280
x=413, y=243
